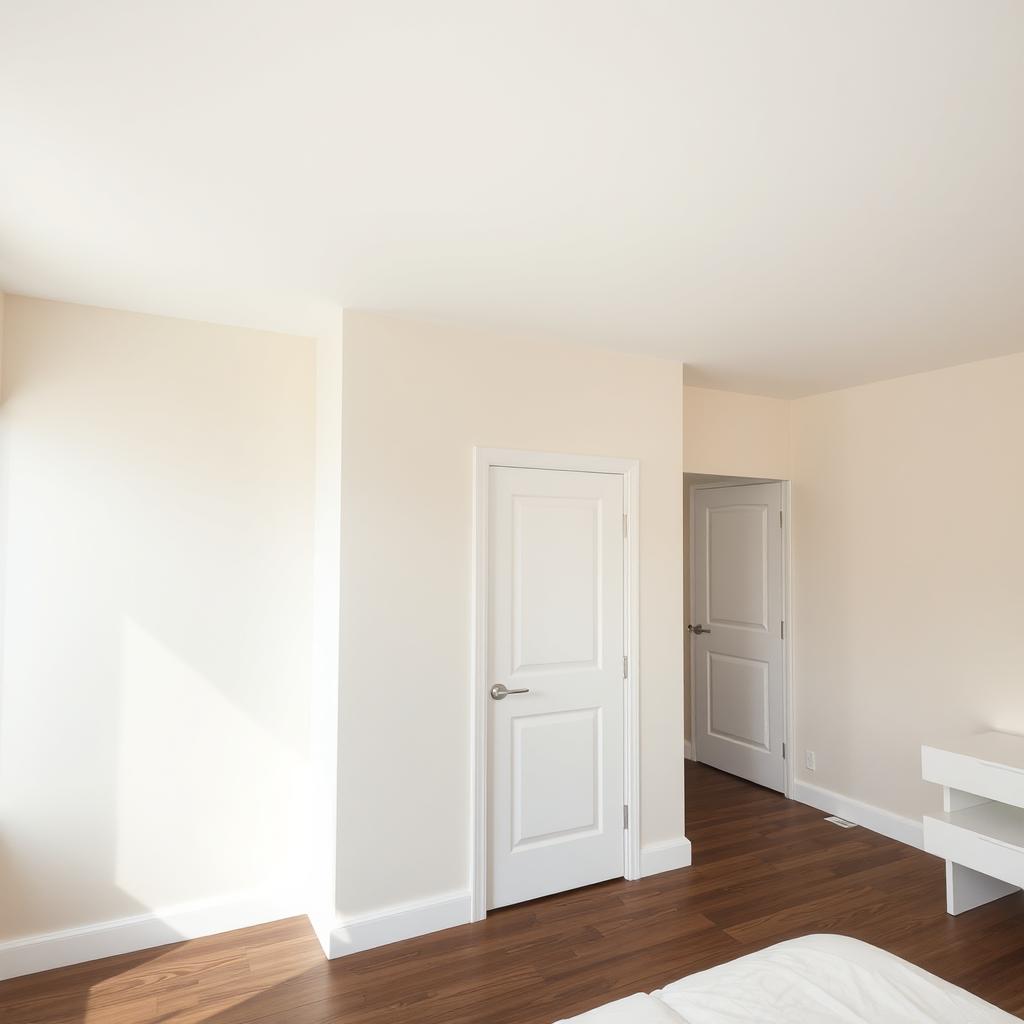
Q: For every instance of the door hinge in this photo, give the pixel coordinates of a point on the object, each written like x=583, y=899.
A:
x=625, y=666
x=783, y=751
x=625, y=525
x=780, y=518
x=625, y=815
x=782, y=629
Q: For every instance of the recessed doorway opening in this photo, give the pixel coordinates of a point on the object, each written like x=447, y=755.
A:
x=736, y=640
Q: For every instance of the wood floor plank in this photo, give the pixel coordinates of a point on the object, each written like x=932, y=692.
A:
x=765, y=869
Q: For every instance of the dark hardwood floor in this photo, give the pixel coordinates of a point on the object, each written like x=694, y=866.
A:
x=765, y=869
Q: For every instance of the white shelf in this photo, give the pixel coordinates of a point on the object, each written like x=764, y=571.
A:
x=980, y=834
x=1000, y=822
x=998, y=748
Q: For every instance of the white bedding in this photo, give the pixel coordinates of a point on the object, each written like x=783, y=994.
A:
x=819, y=979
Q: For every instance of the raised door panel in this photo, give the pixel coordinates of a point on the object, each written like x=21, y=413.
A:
x=556, y=583
x=556, y=776
x=737, y=559
x=738, y=700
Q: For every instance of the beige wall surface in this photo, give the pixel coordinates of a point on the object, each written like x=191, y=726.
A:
x=416, y=400
x=730, y=434
x=156, y=531
x=157, y=575
x=908, y=498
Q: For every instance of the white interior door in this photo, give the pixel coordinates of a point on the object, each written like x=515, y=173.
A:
x=556, y=633
x=736, y=633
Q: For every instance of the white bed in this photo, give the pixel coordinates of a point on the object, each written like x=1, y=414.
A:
x=819, y=979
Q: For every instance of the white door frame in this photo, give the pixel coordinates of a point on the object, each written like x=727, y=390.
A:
x=787, y=614
x=629, y=469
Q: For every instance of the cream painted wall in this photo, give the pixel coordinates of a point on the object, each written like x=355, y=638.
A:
x=155, y=599
x=908, y=559
x=157, y=529
x=417, y=398
x=729, y=434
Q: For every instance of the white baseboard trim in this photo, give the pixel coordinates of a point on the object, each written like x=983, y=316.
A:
x=142, y=931
x=323, y=924
x=405, y=921
x=688, y=750
x=421, y=917
x=903, y=830
x=667, y=855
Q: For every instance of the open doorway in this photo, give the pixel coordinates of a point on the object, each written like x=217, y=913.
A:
x=736, y=606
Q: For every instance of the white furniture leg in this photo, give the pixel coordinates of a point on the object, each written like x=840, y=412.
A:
x=967, y=889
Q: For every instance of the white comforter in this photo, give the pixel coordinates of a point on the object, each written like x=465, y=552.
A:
x=819, y=979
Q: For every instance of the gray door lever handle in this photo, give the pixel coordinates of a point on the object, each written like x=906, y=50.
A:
x=499, y=691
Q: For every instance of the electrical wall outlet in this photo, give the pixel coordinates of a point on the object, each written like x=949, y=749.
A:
x=809, y=760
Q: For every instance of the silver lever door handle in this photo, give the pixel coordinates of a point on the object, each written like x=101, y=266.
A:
x=698, y=629
x=499, y=691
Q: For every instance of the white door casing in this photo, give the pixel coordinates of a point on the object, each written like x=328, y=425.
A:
x=738, y=659
x=556, y=614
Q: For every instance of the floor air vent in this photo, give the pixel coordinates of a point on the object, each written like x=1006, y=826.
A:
x=841, y=822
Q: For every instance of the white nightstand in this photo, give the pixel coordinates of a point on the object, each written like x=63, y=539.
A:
x=981, y=832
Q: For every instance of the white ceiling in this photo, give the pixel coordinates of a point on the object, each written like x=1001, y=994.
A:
x=789, y=196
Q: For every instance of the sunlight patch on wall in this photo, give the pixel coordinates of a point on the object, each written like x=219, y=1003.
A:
x=195, y=776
